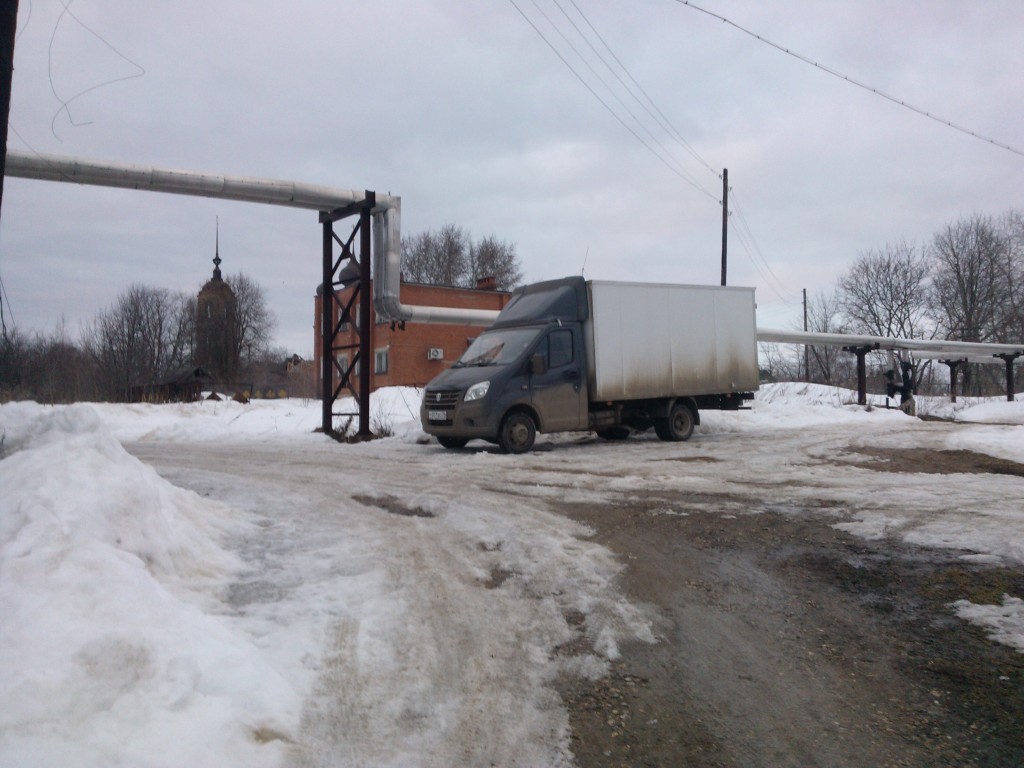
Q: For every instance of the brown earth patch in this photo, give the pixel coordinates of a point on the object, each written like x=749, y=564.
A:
x=784, y=642
x=393, y=505
x=937, y=462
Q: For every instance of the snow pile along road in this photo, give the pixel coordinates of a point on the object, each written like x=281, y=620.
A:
x=111, y=652
x=310, y=603
x=338, y=605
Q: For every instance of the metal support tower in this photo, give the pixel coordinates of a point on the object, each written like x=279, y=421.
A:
x=350, y=268
x=1009, y=360
x=862, y=374
x=954, y=369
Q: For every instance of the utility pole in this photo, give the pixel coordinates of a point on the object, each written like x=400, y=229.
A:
x=807, y=356
x=8, y=27
x=725, y=218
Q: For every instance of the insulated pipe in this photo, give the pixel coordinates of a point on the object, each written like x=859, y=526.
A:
x=75, y=170
x=923, y=347
x=387, y=217
x=387, y=270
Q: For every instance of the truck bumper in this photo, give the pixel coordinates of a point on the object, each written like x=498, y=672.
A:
x=465, y=420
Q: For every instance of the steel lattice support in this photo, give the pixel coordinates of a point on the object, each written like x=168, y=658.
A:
x=862, y=375
x=1009, y=360
x=350, y=268
x=954, y=369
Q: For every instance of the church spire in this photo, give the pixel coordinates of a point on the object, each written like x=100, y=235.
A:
x=216, y=257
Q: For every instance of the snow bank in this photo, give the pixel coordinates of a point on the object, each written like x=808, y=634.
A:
x=1003, y=623
x=108, y=655
x=976, y=410
x=393, y=410
x=120, y=644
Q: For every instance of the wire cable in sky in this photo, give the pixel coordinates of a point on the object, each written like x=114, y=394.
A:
x=66, y=103
x=24, y=26
x=640, y=124
x=606, y=105
x=664, y=122
x=851, y=81
x=742, y=229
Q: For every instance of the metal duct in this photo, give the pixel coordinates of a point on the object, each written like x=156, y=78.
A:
x=387, y=217
x=128, y=176
x=921, y=347
x=387, y=269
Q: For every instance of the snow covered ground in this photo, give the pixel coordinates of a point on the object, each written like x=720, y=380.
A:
x=210, y=614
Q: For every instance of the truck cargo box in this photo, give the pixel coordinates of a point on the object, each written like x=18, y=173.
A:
x=647, y=340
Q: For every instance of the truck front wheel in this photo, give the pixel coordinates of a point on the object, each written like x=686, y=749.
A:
x=517, y=433
x=678, y=426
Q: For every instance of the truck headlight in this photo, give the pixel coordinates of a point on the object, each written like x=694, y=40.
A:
x=477, y=391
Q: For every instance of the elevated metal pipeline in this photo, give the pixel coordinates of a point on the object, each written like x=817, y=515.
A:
x=387, y=214
x=387, y=269
x=103, y=173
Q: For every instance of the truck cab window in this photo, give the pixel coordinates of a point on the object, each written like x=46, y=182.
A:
x=559, y=348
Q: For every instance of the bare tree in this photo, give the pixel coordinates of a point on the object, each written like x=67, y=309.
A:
x=417, y=258
x=437, y=258
x=1011, y=322
x=491, y=257
x=968, y=289
x=48, y=368
x=885, y=293
x=778, y=362
x=974, y=293
x=141, y=338
x=830, y=364
x=13, y=353
x=251, y=322
x=450, y=257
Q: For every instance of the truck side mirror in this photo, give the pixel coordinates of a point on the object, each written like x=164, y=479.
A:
x=537, y=365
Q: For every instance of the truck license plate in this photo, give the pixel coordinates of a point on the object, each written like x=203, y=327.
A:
x=437, y=415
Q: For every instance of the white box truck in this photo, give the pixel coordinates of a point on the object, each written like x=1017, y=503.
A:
x=613, y=357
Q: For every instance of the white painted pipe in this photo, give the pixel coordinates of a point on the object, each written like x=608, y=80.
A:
x=922, y=347
x=387, y=270
x=104, y=173
x=387, y=214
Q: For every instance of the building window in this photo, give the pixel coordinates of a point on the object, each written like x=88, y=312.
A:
x=342, y=361
x=380, y=361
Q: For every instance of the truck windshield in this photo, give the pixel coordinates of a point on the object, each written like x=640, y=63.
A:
x=498, y=347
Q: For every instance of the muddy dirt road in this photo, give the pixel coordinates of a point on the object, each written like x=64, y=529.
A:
x=784, y=642
x=759, y=596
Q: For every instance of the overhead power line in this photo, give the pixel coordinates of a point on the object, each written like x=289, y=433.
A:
x=65, y=104
x=744, y=234
x=666, y=161
x=660, y=118
x=852, y=81
x=657, y=120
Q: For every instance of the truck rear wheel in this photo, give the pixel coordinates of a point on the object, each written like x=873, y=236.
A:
x=678, y=426
x=517, y=433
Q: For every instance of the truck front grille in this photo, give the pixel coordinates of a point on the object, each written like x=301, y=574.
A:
x=442, y=398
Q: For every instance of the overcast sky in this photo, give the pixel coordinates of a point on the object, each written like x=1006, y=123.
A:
x=463, y=110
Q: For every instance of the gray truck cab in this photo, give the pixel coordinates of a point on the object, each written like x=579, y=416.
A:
x=526, y=374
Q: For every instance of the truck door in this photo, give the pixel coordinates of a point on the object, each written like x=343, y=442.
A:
x=560, y=393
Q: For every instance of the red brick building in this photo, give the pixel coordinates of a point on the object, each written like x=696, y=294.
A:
x=413, y=356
